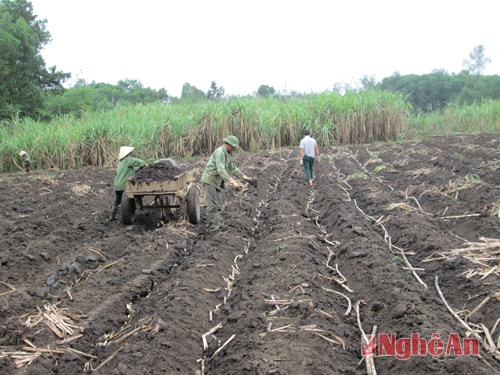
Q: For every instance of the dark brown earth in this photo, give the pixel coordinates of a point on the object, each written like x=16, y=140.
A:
x=161, y=170
x=140, y=299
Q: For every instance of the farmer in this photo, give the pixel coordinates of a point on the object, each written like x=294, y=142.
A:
x=126, y=167
x=26, y=160
x=309, y=151
x=215, y=176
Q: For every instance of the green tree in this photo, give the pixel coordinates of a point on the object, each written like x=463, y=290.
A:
x=191, y=94
x=215, y=92
x=478, y=88
x=136, y=93
x=24, y=78
x=427, y=92
x=102, y=97
x=368, y=82
x=266, y=91
x=477, y=60
x=439, y=89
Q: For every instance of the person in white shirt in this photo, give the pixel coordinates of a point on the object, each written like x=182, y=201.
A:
x=309, y=151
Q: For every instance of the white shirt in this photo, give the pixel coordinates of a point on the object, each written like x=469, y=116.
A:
x=309, y=146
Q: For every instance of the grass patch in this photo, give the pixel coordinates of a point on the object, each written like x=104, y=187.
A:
x=381, y=167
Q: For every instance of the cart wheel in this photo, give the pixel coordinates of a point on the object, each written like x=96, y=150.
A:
x=193, y=205
x=128, y=210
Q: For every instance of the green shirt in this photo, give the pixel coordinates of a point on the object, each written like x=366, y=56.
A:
x=218, y=168
x=26, y=159
x=126, y=168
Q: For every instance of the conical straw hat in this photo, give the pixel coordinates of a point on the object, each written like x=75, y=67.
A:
x=124, y=151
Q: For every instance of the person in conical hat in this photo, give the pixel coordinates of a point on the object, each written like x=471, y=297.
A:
x=26, y=160
x=127, y=166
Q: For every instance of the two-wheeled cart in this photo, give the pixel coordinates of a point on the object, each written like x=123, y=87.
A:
x=179, y=194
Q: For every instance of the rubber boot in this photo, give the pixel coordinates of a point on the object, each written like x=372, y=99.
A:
x=113, y=213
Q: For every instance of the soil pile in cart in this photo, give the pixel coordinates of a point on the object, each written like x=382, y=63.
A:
x=160, y=170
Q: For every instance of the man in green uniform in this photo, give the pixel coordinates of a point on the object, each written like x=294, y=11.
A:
x=215, y=176
x=126, y=167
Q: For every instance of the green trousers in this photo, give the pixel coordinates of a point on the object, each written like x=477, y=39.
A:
x=308, y=167
x=213, y=212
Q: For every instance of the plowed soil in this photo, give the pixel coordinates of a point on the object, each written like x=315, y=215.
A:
x=392, y=235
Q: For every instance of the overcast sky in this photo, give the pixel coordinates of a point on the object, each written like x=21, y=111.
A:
x=299, y=45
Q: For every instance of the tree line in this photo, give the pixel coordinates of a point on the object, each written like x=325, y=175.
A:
x=28, y=88
x=437, y=90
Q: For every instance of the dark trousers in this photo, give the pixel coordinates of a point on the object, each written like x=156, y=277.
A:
x=213, y=212
x=118, y=198
x=308, y=167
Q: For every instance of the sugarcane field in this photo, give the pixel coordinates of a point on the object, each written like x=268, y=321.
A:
x=388, y=264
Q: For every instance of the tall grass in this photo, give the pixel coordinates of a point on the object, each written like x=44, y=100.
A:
x=476, y=118
x=161, y=130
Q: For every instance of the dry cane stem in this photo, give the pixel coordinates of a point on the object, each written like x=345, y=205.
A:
x=106, y=361
x=496, y=295
x=411, y=268
x=223, y=346
x=370, y=363
x=388, y=239
x=211, y=331
x=349, y=304
x=12, y=289
x=464, y=324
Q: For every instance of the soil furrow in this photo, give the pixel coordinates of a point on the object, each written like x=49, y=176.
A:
x=275, y=291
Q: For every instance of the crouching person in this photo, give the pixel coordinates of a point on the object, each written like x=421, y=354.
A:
x=215, y=176
x=26, y=160
x=127, y=166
